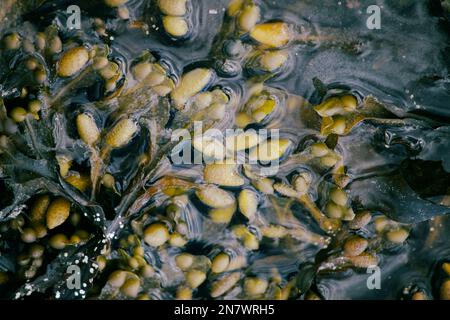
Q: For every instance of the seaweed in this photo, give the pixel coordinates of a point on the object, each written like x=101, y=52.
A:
x=388, y=163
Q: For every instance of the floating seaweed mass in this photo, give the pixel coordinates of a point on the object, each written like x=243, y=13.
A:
x=120, y=179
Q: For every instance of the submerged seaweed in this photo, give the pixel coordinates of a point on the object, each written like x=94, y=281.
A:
x=89, y=116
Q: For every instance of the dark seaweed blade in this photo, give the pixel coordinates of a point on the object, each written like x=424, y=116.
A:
x=26, y=175
x=12, y=10
x=22, y=192
x=393, y=196
x=437, y=146
x=7, y=264
x=427, y=178
x=382, y=156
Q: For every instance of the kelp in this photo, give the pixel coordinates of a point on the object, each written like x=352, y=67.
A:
x=390, y=160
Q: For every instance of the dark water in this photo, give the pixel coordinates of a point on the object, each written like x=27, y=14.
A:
x=397, y=168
